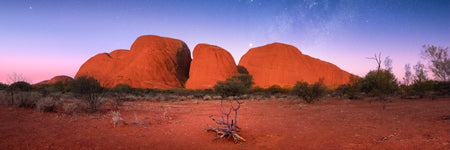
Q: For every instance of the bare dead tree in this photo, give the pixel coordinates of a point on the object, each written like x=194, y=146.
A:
x=15, y=77
x=377, y=59
x=224, y=127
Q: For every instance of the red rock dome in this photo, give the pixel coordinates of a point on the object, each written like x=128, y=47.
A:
x=209, y=65
x=62, y=78
x=151, y=62
x=282, y=64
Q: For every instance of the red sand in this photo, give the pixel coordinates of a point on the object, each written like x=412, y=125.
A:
x=270, y=124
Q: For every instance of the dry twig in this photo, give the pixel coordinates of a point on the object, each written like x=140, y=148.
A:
x=224, y=127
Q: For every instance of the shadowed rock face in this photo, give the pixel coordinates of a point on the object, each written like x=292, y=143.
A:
x=284, y=65
x=64, y=79
x=151, y=62
x=210, y=64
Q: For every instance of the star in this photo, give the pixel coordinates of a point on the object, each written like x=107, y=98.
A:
x=30, y=8
x=250, y=45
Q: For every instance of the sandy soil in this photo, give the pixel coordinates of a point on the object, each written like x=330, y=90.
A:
x=268, y=124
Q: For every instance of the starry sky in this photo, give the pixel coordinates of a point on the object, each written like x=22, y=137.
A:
x=42, y=39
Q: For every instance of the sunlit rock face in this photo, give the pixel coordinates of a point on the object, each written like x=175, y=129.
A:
x=151, y=62
x=284, y=65
x=209, y=65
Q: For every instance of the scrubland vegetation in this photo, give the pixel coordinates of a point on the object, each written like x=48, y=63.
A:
x=86, y=95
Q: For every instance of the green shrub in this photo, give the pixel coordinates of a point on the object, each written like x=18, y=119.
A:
x=423, y=88
x=234, y=86
x=20, y=86
x=379, y=83
x=443, y=88
x=88, y=89
x=3, y=86
x=245, y=79
x=122, y=88
x=309, y=93
x=353, y=89
x=257, y=89
x=274, y=89
x=229, y=88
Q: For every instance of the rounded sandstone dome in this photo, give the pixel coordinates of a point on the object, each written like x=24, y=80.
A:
x=209, y=65
x=284, y=65
x=152, y=62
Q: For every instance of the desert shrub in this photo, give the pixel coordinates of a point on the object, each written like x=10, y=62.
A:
x=229, y=88
x=352, y=89
x=20, y=86
x=443, y=88
x=50, y=103
x=46, y=89
x=119, y=95
x=406, y=91
x=309, y=93
x=423, y=88
x=122, y=88
x=256, y=89
x=3, y=86
x=381, y=83
x=88, y=89
x=4, y=97
x=234, y=86
x=26, y=99
x=73, y=107
x=242, y=70
x=274, y=89
x=245, y=79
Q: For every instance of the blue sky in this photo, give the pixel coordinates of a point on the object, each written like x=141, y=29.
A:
x=42, y=39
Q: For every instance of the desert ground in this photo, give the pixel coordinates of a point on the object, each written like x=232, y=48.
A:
x=266, y=124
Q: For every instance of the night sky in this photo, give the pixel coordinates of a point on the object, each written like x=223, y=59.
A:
x=42, y=39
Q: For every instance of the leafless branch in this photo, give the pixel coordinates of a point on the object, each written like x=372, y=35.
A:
x=224, y=127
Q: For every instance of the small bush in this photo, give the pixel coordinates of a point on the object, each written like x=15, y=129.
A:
x=381, y=83
x=257, y=89
x=309, y=93
x=74, y=107
x=20, y=86
x=4, y=97
x=234, y=86
x=88, y=89
x=122, y=88
x=352, y=90
x=275, y=89
x=26, y=99
x=49, y=103
x=3, y=86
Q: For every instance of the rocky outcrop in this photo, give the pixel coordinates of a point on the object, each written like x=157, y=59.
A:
x=209, y=65
x=151, y=62
x=284, y=65
x=62, y=78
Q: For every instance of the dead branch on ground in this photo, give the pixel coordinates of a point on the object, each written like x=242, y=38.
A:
x=224, y=127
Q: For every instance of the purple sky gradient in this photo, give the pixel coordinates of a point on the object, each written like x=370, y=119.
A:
x=42, y=39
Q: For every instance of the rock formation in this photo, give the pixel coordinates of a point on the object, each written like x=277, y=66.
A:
x=209, y=65
x=284, y=65
x=151, y=62
x=62, y=78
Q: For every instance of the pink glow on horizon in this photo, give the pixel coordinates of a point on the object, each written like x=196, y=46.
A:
x=35, y=70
